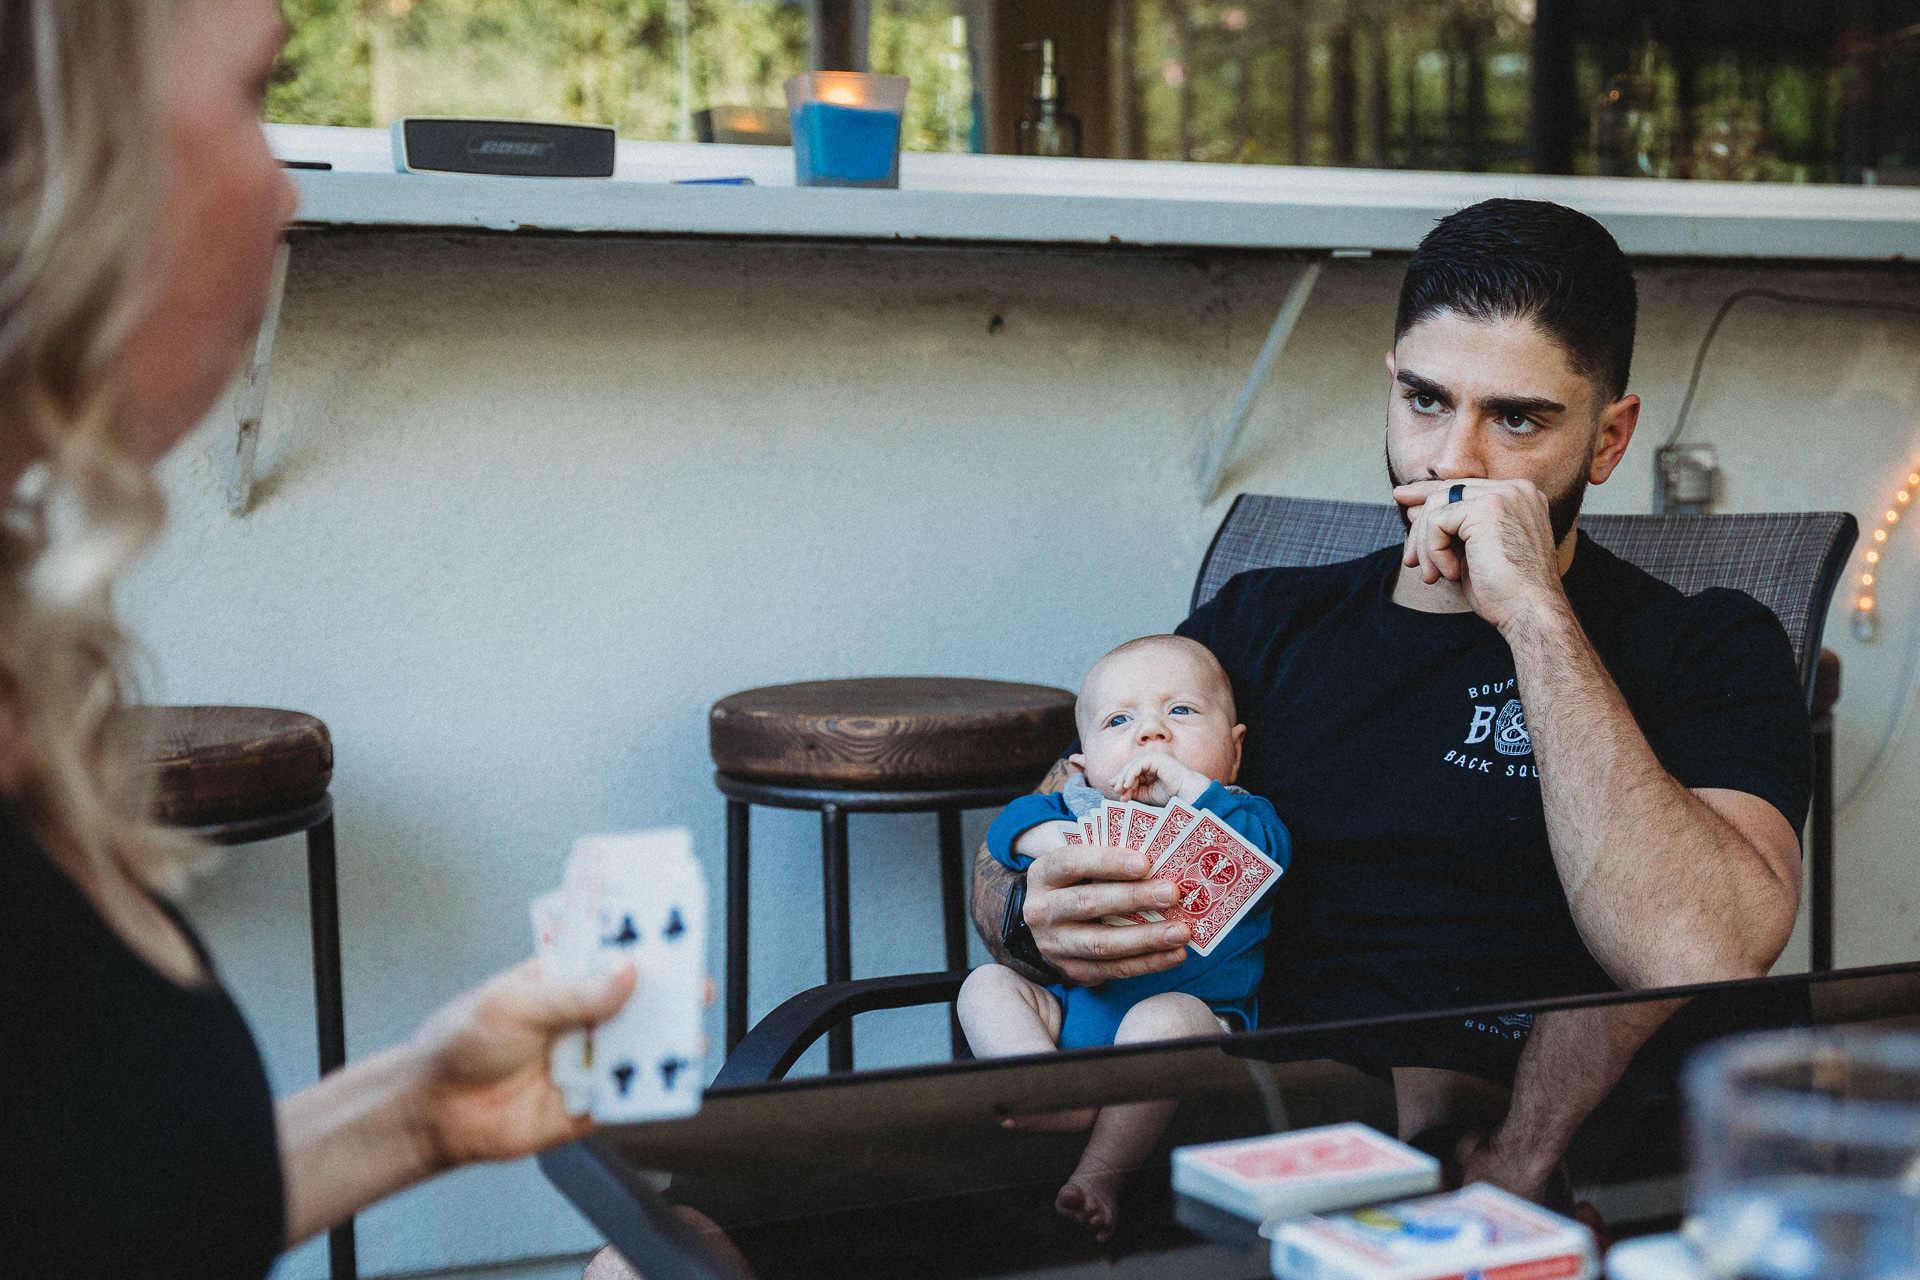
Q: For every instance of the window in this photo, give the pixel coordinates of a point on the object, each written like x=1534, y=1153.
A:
x=1779, y=90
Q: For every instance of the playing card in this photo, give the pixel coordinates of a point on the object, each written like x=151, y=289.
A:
x=1076, y=835
x=1179, y=817
x=648, y=1059
x=1091, y=827
x=565, y=955
x=1278, y=1175
x=1218, y=876
x=1113, y=822
x=1141, y=820
x=1135, y=917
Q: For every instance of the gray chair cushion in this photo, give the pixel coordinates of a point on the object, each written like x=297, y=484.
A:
x=1790, y=562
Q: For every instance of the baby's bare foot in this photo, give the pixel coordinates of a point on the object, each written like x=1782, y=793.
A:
x=1092, y=1197
x=1076, y=1121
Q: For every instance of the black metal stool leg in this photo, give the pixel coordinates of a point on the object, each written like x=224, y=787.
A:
x=738, y=814
x=833, y=876
x=323, y=899
x=953, y=909
x=323, y=903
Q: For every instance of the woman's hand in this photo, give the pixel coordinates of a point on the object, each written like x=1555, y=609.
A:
x=472, y=1084
x=486, y=1093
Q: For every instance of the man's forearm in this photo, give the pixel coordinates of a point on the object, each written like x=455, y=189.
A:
x=1663, y=889
x=993, y=883
x=1568, y=1065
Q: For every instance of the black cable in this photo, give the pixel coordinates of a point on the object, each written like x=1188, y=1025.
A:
x=1772, y=295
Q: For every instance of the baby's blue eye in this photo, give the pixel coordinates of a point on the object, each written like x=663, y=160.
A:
x=1181, y=710
x=1119, y=718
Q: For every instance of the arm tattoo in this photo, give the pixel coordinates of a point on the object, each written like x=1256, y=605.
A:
x=992, y=881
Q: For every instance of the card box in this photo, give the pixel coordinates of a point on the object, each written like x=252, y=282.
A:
x=1478, y=1231
x=1303, y=1171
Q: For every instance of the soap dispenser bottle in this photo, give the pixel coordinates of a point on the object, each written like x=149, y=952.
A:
x=1047, y=129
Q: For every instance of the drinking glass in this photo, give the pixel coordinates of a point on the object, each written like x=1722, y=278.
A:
x=1804, y=1156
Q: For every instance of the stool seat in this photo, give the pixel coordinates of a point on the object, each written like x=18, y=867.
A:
x=218, y=765
x=892, y=732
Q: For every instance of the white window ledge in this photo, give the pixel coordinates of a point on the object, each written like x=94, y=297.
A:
x=1016, y=200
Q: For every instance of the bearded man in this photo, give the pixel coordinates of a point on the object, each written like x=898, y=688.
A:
x=1514, y=766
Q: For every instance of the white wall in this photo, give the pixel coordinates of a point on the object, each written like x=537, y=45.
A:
x=530, y=506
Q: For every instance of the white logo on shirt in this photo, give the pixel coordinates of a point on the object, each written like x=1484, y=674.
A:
x=1510, y=731
x=1502, y=724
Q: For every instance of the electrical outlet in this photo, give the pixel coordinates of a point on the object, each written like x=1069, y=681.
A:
x=1686, y=479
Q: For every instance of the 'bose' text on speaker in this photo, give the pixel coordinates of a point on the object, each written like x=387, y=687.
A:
x=512, y=148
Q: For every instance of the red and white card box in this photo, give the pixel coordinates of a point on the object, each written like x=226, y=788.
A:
x=1282, y=1174
x=1476, y=1233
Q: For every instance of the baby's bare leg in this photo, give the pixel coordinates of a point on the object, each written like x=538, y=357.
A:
x=1003, y=1014
x=1124, y=1134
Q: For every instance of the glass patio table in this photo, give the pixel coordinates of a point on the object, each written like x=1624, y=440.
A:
x=909, y=1172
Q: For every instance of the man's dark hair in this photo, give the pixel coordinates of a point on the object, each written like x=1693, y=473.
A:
x=1530, y=260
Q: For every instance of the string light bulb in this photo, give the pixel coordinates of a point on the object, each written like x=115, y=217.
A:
x=1865, y=614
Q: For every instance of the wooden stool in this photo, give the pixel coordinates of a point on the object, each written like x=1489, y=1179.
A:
x=234, y=775
x=886, y=745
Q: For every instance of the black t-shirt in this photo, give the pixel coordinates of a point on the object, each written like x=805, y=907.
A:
x=1394, y=746
x=136, y=1126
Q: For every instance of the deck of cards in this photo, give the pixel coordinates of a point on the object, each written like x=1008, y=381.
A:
x=1280, y=1175
x=637, y=897
x=1218, y=873
x=1478, y=1231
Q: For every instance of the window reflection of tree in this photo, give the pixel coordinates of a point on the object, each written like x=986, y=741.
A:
x=1501, y=85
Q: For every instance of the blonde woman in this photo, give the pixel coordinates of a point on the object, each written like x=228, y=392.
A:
x=139, y=212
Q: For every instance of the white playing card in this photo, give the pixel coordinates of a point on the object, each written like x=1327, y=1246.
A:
x=1113, y=822
x=565, y=956
x=648, y=1059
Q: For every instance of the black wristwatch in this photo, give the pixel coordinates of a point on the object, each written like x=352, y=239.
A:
x=1017, y=938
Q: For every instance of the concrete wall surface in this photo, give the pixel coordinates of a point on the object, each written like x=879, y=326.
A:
x=529, y=506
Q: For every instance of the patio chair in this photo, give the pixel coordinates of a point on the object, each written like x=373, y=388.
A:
x=1789, y=562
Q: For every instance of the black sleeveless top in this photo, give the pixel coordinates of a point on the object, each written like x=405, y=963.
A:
x=136, y=1127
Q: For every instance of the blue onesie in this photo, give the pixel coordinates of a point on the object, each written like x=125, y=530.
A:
x=1225, y=980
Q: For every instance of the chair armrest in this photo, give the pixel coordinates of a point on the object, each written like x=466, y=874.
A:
x=775, y=1043
x=649, y=1233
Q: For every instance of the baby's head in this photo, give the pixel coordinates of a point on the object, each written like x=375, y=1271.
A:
x=1165, y=692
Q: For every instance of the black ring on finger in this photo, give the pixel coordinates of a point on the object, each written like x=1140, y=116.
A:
x=1456, y=493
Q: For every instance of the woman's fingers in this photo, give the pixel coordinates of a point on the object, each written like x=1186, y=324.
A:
x=562, y=1006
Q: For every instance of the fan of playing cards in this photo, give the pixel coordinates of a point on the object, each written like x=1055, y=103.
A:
x=1218, y=875
x=638, y=897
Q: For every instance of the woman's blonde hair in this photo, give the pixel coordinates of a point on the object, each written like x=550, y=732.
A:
x=82, y=145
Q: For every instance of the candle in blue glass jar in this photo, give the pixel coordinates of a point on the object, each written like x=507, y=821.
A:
x=853, y=144
x=846, y=128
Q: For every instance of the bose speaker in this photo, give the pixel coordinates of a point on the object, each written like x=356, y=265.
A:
x=512, y=148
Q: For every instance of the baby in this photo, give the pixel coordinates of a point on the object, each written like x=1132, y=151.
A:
x=1156, y=720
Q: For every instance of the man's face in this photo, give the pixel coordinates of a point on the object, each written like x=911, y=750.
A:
x=1500, y=400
